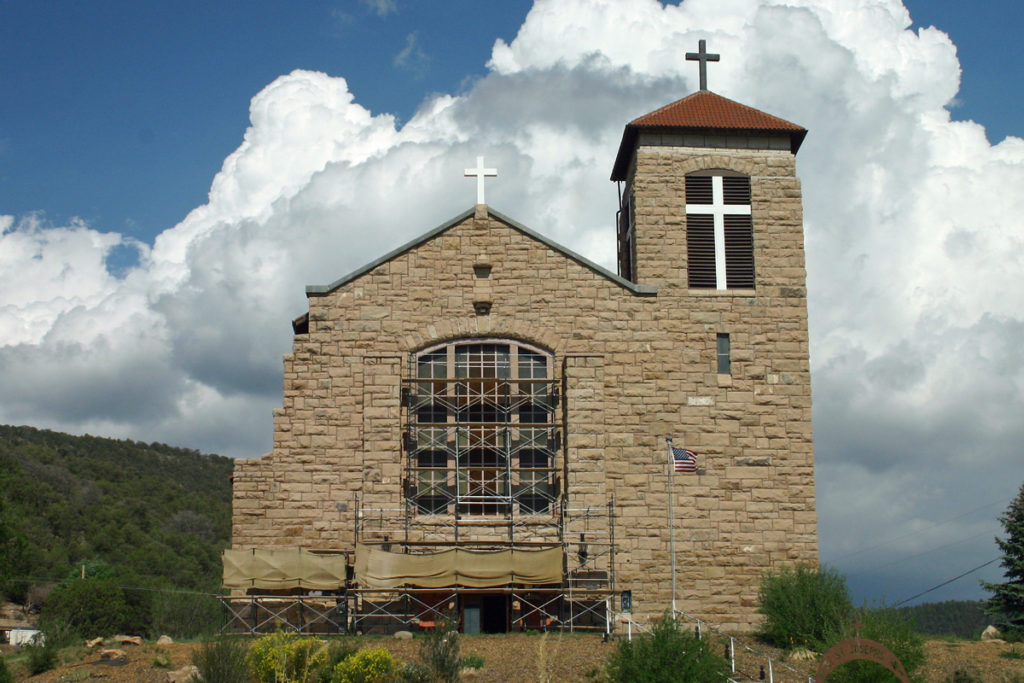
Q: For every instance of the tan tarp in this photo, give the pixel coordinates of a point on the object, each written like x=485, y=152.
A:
x=376, y=568
x=283, y=569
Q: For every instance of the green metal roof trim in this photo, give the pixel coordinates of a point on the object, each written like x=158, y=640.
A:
x=639, y=290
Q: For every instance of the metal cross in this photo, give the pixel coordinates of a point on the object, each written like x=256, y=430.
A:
x=703, y=57
x=480, y=172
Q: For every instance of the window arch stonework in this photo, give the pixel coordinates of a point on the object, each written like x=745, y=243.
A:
x=481, y=437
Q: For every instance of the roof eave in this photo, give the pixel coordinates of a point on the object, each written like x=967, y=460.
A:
x=324, y=290
x=620, y=168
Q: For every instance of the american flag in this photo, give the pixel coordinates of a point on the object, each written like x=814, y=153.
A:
x=684, y=460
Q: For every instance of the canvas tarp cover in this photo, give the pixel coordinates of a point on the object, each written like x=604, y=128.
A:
x=376, y=568
x=283, y=569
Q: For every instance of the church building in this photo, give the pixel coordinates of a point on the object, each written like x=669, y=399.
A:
x=483, y=422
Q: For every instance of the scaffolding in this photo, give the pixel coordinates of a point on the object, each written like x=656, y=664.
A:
x=484, y=469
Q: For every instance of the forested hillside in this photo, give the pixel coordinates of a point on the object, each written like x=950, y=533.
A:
x=956, y=618
x=154, y=514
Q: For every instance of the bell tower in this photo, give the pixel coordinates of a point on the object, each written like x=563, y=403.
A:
x=710, y=217
x=708, y=184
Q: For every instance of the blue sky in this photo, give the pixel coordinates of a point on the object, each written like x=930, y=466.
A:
x=121, y=112
x=118, y=119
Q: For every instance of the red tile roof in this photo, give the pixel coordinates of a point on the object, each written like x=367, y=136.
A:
x=708, y=112
x=705, y=109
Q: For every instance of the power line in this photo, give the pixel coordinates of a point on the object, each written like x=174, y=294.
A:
x=945, y=583
x=923, y=552
x=918, y=531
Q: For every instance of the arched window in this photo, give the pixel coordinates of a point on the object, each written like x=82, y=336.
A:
x=719, y=231
x=481, y=428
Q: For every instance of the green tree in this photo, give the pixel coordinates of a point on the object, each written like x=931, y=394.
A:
x=1006, y=606
x=14, y=559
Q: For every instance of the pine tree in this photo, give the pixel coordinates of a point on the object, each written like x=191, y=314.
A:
x=1006, y=606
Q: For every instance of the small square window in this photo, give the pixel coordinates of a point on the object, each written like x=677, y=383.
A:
x=724, y=362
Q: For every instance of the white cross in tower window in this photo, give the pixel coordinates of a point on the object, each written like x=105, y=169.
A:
x=718, y=209
x=480, y=172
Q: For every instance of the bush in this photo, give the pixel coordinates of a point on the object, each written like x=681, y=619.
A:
x=99, y=604
x=185, y=615
x=669, y=653
x=415, y=672
x=337, y=652
x=366, y=666
x=803, y=607
x=440, y=650
x=963, y=674
x=221, y=661
x=286, y=658
x=472, y=662
x=891, y=630
x=5, y=673
x=42, y=654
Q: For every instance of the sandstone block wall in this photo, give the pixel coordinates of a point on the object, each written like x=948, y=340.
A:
x=635, y=369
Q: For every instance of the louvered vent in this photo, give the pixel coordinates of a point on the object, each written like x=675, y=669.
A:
x=698, y=189
x=736, y=189
x=700, y=248
x=739, y=252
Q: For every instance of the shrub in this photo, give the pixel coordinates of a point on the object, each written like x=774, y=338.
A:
x=42, y=654
x=337, y=652
x=98, y=605
x=440, y=650
x=221, y=661
x=472, y=661
x=285, y=658
x=366, y=666
x=669, y=653
x=5, y=673
x=963, y=674
x=185, y=615
x=161, y=659
x=803, y=607
x=891, y=630
x=1012, y=653
x=415, y=672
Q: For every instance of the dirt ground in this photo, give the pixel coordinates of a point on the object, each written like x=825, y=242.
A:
x=554, y=657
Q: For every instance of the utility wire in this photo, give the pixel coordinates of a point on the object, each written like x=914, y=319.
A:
x=923, y=552
x=945, y=583
x=917, y=531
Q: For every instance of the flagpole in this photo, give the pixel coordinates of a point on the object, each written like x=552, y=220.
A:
x=672, y=522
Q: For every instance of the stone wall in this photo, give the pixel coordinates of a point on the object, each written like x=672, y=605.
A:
x=635, y=369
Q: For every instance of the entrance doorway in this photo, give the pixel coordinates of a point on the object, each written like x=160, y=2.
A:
x=484, y=613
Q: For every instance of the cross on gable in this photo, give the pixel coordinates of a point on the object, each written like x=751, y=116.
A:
x=480, y=172
x=703, y=56
x=718, y=210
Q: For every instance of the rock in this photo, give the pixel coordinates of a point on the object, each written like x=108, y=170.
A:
x=95, y=642
x=127, y=640
x=467, y=673
x=114, y=655
x=802, y=654
x=991, y=633
x=184, y=674
x=165, y=640
x=403, y=635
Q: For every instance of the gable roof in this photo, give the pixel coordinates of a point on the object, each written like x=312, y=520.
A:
x=707, y=112
x=639, y=290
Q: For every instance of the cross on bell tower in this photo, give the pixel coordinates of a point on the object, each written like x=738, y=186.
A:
x=702, y=56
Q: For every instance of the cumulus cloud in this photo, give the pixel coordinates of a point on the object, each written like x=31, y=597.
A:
x=912, y=221
x=381, y=8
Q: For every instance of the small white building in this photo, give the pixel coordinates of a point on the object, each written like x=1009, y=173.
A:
x=20, y=636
